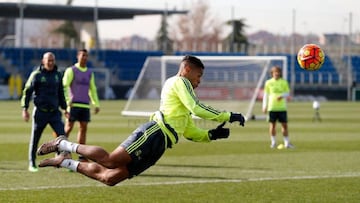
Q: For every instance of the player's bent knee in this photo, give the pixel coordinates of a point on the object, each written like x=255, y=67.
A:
x=110, y=183
x=114, y=176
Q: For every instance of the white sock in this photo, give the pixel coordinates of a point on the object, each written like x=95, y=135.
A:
x=273, y=139
x=65, y=145
x=286, y=140
x=70, y=164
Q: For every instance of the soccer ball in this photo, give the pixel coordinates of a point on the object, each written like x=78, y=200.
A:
x=311, y=57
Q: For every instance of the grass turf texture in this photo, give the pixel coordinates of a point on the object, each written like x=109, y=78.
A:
x=324, y=166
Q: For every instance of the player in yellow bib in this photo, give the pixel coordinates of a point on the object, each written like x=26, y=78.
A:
x=144, y=147
x=276, y=92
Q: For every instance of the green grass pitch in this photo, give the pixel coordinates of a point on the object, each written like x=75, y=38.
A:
x=324, y=166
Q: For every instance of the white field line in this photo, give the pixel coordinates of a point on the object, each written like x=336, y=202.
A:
x=205, y=181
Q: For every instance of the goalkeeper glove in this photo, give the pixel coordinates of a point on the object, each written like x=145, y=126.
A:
x=219, y=132
x=237, y=117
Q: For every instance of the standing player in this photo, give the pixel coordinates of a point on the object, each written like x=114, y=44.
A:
x=80, y=90
x=276, y=92
x=148, y=142
x=45, y=82
x=316, y=107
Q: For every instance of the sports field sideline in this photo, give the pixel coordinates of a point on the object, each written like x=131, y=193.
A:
x=324, y=166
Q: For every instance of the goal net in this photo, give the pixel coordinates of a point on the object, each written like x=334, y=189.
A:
x=102, y=81
x=231, y=83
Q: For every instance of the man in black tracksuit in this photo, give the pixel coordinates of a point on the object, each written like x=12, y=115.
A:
x=46, y=84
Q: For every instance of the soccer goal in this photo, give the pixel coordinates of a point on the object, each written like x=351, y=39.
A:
x=102, y=80
x=232, y=83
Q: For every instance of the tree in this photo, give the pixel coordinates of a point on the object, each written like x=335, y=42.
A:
x=237, y=38
x=163, y=41
x=68, y=30
x=198, y=30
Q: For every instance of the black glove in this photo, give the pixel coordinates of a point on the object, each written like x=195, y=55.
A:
x=219, y=132
x=237, y=117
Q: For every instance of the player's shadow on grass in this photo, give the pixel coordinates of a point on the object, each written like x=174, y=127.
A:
x=207, y=166
x=197, y=166
x=183, y=176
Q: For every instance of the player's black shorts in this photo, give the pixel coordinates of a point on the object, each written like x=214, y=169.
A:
x=145, y=145
x=280, y=116
x=79, y=114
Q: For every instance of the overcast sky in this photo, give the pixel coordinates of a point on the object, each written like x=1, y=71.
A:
x=312, y=16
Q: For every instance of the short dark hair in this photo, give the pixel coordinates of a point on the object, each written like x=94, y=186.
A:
x=276, y=69
x=83, y=50
x=193, y=60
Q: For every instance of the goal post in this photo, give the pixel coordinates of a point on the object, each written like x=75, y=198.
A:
x=231, y=83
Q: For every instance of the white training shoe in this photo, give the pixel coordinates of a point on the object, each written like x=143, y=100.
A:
x=289, y=146
x=33, y=169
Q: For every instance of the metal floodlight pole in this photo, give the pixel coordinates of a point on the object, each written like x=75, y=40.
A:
x=349, y=68
x=96, y=15
x=21, y=44
x=165, y=39
x=293, y=53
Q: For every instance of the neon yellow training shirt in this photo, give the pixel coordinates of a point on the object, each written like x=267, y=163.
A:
x=178, y=102
x=273, y=89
